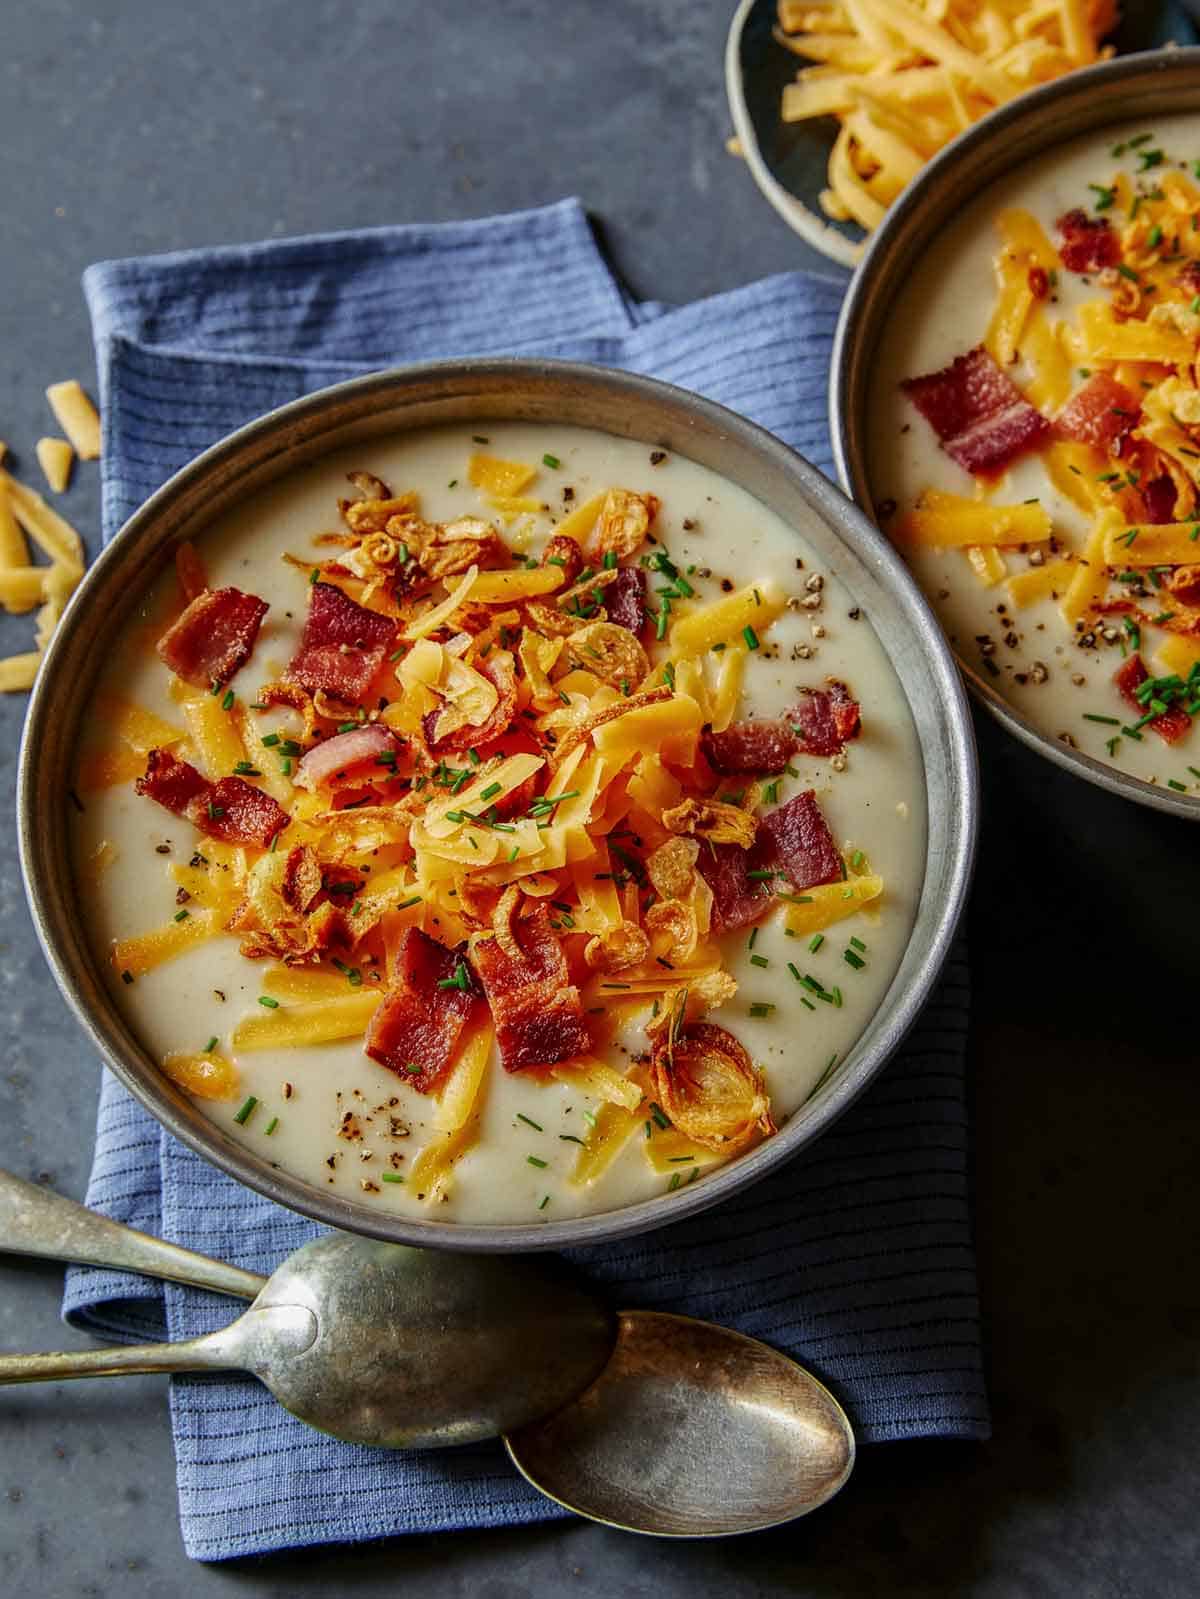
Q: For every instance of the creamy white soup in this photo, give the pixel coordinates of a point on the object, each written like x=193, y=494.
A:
x=605, y=891
x=1040, y=472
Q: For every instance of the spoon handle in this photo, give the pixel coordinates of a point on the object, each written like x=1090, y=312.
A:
x=187, y=1356
x=35, y=1221
x=278, y=1333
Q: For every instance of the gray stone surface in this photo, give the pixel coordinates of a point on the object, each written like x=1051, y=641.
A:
x=128, y=126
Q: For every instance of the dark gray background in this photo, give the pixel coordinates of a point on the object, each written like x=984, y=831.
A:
x=134, y=127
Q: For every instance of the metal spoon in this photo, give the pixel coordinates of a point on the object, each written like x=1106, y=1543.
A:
x=372, y=1343
x=679, y=1429
x=690, y=1431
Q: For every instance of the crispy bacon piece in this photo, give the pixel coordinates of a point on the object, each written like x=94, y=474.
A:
x=345, y=753
x=828, y=718
x=1088, y=243
x=625, y=599
x=174, y=784
x=231, y=809
x=1101, y=412
x=738, y=898
x=744, y=747
x=342, y=646
x=803, y=844
x=537, y=1013
x=1173, y=724
x=213, y=638
x=823, y=723
x=417, y=1028
x=793, y=842
x=1158, y=496
x=978, y=413
x=499, y=670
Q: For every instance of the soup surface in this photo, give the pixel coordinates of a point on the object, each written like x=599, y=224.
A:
x=1040, y=472
x=512, y=827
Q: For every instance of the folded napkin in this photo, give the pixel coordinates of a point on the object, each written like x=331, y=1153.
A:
x=857, y=1257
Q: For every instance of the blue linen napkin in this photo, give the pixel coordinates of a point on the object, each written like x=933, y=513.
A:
x=857, y=1258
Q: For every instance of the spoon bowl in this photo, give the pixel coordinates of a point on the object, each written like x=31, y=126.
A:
x=690, y=1431
x=414, y=1349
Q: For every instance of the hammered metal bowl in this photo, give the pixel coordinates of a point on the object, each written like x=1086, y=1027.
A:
x=618, y=403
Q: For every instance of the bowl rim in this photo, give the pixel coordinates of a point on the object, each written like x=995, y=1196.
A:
x=915, y=216
x=301, y=420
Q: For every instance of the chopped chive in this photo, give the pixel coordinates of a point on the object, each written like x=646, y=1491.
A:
x=545, y=1201
x=659, y=1115
x=181, y=916
x=211, y=1045
x=815, y=943
x=406, y=904
x=1181, y=787
x=751, y=638
x=529, y=1122
x=857, y=943
x=1106, y=721
x=247, y=1110
x=552, y=461
x=391, y=1177
x=680, y=1160
x=761, y=1008
x=534, y=1160
x=569, y=1138
x=271, y=1126
x=794, y=899
x=759, y=960
x=676, y=1179
x=852, y=959
x=271, y=1004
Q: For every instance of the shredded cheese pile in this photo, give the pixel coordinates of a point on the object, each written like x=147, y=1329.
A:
x=903, y=78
